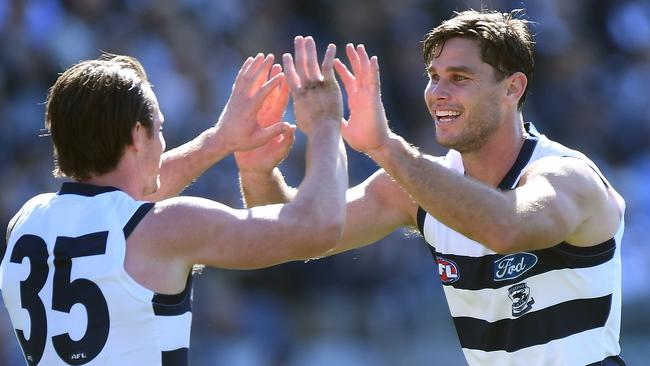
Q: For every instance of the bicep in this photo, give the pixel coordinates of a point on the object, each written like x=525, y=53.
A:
x=547, y=213
x=375, y=208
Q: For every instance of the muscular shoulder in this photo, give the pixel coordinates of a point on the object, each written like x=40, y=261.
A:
x=162, y=248
x=576, y=181
x=570, y=173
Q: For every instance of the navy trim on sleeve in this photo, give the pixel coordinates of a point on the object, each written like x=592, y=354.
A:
x=523, y=158
x=177, y=304
x=136, y=218
x=421, y=216
x=177, y=357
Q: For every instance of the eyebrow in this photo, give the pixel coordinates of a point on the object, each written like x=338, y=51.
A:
x=461, y=69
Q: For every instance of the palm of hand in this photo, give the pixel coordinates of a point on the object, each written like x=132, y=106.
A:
x=366, y=128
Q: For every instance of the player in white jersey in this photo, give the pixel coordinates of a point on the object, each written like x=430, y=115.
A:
x=525, y=233
x=97, y=273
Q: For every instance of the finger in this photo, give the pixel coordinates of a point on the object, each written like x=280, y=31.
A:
x=301, y=58
x=353, y=57
x=275, y=69
x=293, y=80
x=257, y=60
x=265, y=90
x=283, y=88
x=290, y=135
x=346, y=76
x=374, y=69
x=364, y=62
x=283, y=95
x=287, y=139
x=250, y=73
x=276, y=93
x=328, y=62
x=262, y=73
x=264, y=135
x=313, y=71
x=242, y=71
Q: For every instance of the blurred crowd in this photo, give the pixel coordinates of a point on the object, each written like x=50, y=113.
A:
x=380, y=305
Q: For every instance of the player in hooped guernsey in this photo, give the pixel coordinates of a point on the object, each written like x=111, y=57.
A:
x=555, y=306
x=525, y=233
x=75, y=243
x=99, y=274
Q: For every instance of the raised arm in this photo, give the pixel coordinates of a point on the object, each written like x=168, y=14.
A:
x=251, y=90
x=193, y=230
x=559, y=199
x=260, y=179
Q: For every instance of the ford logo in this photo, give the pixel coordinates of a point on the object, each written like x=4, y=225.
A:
x=513, y=265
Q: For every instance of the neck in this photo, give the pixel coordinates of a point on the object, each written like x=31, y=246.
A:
x=490, y=163
x=121, y=178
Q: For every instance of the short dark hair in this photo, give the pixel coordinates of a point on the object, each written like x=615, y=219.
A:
x=90, y=112
x=505, y=40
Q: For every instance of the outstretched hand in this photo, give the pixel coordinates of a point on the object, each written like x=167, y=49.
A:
x=239, y=124
x=266, y=157
x=316, y=95
x=367, y=128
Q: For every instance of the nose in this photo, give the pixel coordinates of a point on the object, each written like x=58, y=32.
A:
x=436, y=91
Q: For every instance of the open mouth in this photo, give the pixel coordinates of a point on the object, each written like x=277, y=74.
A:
x=447, y=116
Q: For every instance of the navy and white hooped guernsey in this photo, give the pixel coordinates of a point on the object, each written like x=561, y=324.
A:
x=553, y=307
x=68, y=295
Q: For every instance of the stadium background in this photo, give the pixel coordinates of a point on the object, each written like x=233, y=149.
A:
x=380, y=305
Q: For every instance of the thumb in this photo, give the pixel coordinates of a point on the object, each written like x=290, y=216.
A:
x=346, y=129
x=265, y=134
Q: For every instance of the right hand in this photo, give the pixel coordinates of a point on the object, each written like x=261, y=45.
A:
x=316, y=93
x=238, y=126
x=367, y=128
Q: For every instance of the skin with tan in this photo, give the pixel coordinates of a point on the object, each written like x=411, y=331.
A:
x=557, y=199
x=182, y=231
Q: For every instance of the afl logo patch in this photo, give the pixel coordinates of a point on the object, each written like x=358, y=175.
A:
x=513, y=265
x=447, y=270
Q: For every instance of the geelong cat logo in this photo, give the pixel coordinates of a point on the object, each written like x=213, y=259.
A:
x=521, y=299
x=448, y=270
x=513, y=265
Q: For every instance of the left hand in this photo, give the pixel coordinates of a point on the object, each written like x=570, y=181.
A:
x=264, y=159
x=367, y=128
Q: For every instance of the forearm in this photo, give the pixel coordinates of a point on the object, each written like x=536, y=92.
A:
x=180, y=166
x=260, y=189
x=472, y=208
x=321, y=194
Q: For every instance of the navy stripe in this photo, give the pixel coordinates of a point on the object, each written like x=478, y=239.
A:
x=609, y=361
x=170, y=305
x=83, y=189
x=421, y=216
x=479, y=272
x=538, y=327
x=177, y=357
x=136, y=218
x=87, y=245
x=523, y=158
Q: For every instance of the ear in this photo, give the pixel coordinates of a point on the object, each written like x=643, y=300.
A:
x=515, y=87
x=138, y=134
